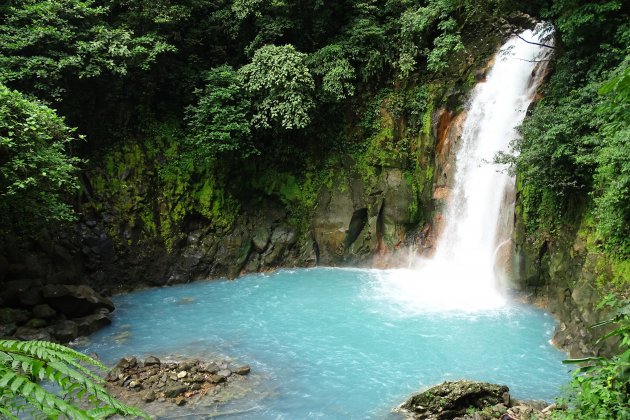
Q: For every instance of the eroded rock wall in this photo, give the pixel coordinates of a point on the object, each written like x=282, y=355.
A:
x=564, y=273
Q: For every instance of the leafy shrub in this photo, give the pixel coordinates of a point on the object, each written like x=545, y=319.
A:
x=218, y=122
x=36, y=173
x=600, y=389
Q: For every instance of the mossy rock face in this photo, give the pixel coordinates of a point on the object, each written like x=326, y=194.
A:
x=452, y=399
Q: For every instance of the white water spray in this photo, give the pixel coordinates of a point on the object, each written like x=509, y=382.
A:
x=461, y=274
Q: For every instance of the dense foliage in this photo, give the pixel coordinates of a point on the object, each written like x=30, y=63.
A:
x=575, y=153
x=36, y=173
x=600, y=387
x=217, y=101
x=25, y=364
x=271, y=91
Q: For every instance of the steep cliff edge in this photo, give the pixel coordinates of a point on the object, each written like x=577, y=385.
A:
x=570, y=275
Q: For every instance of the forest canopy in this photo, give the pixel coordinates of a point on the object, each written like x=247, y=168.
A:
x=244, y=82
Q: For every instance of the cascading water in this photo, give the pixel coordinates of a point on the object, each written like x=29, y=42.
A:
x=461, y=274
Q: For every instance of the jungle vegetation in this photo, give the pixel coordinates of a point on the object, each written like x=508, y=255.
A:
x=220, y=92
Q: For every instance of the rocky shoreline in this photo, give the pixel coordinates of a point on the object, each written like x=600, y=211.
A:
x=159, y=386
x=52, y=312
x=470, y=400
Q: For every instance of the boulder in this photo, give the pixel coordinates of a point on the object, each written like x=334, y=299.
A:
x=36, y=323
x=12, y=291
x=92, y=323
x=152, y=361
x=75, y=301
x=29, y=334
x=4, y=267
x=7, y=330
x=31, y=297
x=451, y=399
x=14, y=316
x=65, y=331
x=43, y=311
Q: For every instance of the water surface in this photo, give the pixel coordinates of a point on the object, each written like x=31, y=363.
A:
x=329, y=343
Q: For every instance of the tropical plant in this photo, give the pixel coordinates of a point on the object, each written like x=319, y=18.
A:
x=45, y=43
x=600, y=387
x=281, y=87
x=219, y=122
x=25, y=364
x=36, y=173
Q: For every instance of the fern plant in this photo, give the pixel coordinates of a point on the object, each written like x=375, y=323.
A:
x=78, y=391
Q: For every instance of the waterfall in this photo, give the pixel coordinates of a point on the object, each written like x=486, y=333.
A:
x=461, y=274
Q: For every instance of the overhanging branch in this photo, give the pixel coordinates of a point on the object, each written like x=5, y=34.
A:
x=535, y=43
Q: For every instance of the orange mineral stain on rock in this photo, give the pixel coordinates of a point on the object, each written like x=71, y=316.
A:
x=445, y=117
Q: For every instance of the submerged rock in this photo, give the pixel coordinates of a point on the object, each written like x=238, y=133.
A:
x=452, y=399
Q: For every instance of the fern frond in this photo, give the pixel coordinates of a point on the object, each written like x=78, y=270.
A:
x=23, y=363
x=7, y=414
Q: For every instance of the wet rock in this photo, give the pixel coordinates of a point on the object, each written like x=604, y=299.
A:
x=12, y=291
x=224, y=372
x=28, y=334
x=36, y=323
x=65, y=331
x=260, y=239
x=127, y=362
x=7, y=330
x=43, y=311
x=92, y=323
x=451, y=399
x=167, y=381
x=152, y=361
x=174, y=391
x=14, y=316
x=149, y=396
x=209, y=367
x=186, y=365
x=75, y=301
x=242, y=370
x=31, y=297
x=215, y=379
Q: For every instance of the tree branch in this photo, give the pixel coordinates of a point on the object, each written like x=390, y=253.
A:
x=535, y=43
x=531, y=61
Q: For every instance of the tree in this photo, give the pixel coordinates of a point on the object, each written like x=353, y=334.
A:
x=335, y=70
x=218, y=122
x=36, y=173
x=45, y=43
x=280, y=86
x=23, y=364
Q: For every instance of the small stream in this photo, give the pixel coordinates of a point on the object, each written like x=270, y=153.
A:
x=328, y=343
